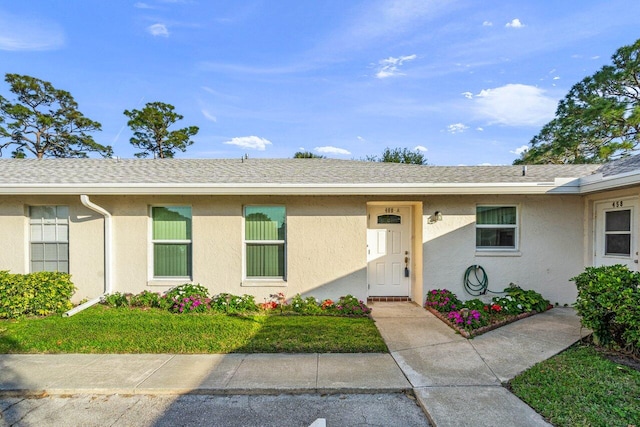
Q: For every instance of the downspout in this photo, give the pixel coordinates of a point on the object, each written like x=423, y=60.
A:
x=108, y=258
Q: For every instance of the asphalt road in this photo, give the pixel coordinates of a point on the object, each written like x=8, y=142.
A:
x=205, y=410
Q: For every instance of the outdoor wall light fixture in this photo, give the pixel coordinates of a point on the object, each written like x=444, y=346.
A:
x=437, y=216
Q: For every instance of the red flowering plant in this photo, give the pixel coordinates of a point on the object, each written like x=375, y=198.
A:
x=278, y=300
x=442, y=300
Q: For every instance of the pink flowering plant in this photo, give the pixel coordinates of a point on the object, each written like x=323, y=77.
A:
x=442, y=300
x=468, y=319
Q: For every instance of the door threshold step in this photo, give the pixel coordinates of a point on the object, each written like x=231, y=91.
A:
x=388, y=299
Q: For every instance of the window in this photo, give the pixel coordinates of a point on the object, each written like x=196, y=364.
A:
x=265, y=241
x=171, y=240
x=617, y=233
x=496, y=227
x=49, y=229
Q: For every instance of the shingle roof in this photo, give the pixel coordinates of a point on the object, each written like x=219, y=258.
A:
x=268, y=171
x=620, y=166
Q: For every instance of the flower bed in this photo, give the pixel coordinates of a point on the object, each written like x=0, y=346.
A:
x=475, y=317
x=194, y=298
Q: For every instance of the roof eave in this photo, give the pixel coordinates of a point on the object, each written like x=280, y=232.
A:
x=557, y=187
x=597, y=182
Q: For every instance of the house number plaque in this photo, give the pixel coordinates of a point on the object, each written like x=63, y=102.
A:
x=391, y=210
x=617, y=204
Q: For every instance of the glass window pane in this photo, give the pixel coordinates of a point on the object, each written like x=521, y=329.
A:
x=171, y=223
x=264, y=222
x=50, y=251
x=48, y=212
x=265, y=260
x=36, y=232
x=49, y=232
x=51, y=266
x=618, y=244
x=389, y=219
x=62, y=213
x=63, y=266
x=37, y=251
x=171, y=260
x=496, y=237
x=35, y=212
x=63, y=233
x=37, y=266
x=495, y=215
x=63, y=252
x=618, y=220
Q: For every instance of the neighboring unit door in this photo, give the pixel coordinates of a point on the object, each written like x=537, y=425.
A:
x=388, y=244
x=616, y=231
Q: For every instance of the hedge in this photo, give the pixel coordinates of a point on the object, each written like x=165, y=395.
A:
x=609, y=304
x=34, y=294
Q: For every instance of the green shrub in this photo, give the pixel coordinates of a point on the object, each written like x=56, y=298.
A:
x=524, y=301
x=307, y=305
x=147, y=299
x=609, y=304
x=37, y=294
x=117, y=299
x=228, y=303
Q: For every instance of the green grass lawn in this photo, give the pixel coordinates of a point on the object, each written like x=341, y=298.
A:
x=109, y=330
x=579, y=387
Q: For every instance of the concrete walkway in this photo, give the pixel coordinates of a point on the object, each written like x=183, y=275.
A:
x=458, y=381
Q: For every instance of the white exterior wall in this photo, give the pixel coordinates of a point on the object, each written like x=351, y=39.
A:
x=326, y=245
x=550, y=252
x=86, y=247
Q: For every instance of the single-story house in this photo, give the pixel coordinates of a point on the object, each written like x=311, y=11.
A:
x=319, y=227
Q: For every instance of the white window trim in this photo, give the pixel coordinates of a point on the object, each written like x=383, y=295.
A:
x=160, y=280
x=256, y=280
x=496, y=249
x=29, y=237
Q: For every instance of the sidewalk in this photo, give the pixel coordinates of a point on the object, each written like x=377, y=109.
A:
x=458, y=381
x=35, y=374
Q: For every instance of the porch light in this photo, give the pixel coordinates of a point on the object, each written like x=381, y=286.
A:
x=437, y=216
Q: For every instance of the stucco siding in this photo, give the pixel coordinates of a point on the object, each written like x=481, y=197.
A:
x=549, y=252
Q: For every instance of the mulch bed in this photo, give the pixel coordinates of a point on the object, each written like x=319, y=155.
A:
x=480, y=331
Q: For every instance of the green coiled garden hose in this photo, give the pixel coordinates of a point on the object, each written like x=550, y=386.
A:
x=476, y=281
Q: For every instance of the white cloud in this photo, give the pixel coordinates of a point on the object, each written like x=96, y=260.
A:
x=484, y=164
x=249, y=142
x=332, y=150
x=457, y=128
x=158, y=30
x=487, y=24
x=207, y=115
x=515, y=23
x=467, y=95
x=19, y=34
x=420, y=148
x=515, y=105
x=556, y=78
x=518, y=151
x=360, y=138
x=141, y=5
x=479, y=129
x=595, y=57
x=390, y=67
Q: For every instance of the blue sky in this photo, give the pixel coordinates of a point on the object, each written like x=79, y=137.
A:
x=465, y=81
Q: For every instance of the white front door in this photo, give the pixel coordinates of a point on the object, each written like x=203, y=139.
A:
x=388, y=245
x=616, y=233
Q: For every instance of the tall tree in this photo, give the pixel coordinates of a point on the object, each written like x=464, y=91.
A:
x=45, y=122
x=399, y=155
x=307, y=155
x=151, y=131
x=598, y=120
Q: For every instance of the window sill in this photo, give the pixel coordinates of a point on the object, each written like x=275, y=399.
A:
x=169, y=281
x=253, y=283
x=489, y=253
